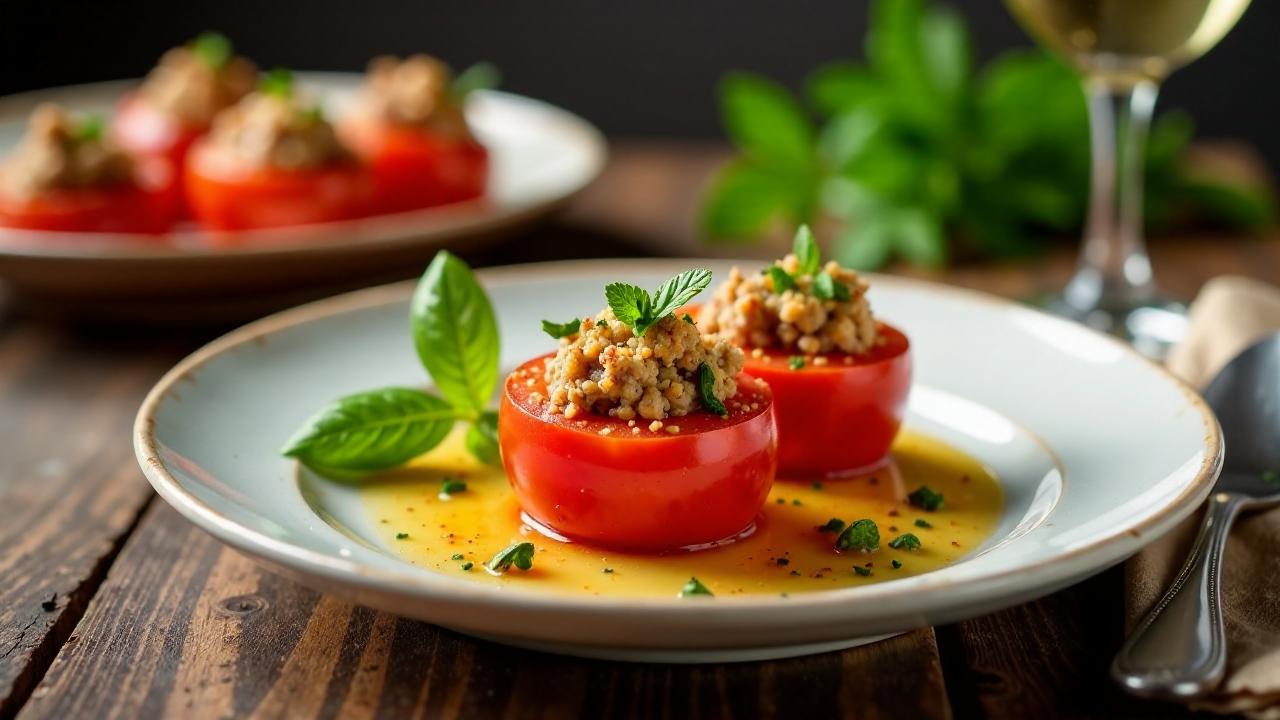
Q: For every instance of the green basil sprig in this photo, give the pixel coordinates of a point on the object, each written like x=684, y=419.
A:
x=456, y=335
x=635, y=308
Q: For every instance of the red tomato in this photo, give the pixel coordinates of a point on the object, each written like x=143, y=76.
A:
x=645, y=491
x=144, y=206
x=413, y=169
x=267, y=198
x=838, y=419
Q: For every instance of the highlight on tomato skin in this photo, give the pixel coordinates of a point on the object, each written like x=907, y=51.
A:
x=838, y=418
x=145, y=132
x=597, y=480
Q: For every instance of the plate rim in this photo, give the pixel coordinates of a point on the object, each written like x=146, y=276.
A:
x=1100, y=552
x=327, y=238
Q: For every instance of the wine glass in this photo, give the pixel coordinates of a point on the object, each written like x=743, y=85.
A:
x=1123, y=49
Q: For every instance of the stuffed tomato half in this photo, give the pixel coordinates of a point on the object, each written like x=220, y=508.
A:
x=639, y=432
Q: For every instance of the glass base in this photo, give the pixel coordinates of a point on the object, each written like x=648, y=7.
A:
x=1152, y=327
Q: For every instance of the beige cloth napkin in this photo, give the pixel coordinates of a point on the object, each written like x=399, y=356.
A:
x=1229, y=314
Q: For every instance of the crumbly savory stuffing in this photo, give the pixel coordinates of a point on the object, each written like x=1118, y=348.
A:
x=59, y=152
x=415, y=91
x=749, y=311
x=277, y=131
x=607, y=370
x=186, y=86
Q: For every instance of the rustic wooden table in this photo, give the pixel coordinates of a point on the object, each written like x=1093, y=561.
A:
x=112, y=605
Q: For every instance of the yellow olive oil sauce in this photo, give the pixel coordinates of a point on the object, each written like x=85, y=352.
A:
x=786, y=553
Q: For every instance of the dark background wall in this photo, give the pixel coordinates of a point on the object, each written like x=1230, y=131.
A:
x=633, y=68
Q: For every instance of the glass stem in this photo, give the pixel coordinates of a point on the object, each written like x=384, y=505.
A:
x=1114, y=272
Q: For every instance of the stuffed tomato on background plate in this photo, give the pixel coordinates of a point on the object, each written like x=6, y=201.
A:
x=1073, y=474
x=539, y=157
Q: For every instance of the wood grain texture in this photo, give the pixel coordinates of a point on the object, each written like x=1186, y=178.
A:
x=185, y=627
x=68, y=495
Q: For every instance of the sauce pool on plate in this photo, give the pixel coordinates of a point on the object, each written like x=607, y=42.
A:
x=456, y=533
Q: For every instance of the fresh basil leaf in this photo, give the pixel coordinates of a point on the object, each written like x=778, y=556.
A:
x=277, y=82
x=845, y=139
x=519, y=554
x=707, y=390
x=764, y=120
x=781, y=279
x=864, y=246
x=805, y=248
x=213, y=49
x=946, y=51
x=842, y=87
x=677, y=292
x=372, y=430
x=630, y=304
x=695, y=588
x=456, y=333
x=482, y=439
x=562, y=330
x=743, y=200
x=481, y=76
x=826, y=287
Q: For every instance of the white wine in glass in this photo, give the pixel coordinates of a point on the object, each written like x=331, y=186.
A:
x=1123, y=49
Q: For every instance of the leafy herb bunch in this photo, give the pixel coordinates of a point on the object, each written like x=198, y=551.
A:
x=922, y=155
x=456, y=336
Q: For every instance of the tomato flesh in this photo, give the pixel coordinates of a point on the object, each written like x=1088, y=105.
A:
x=649, y=491
x=414, y=169
x=837, y=419
x=269, y=197
x=146, y=206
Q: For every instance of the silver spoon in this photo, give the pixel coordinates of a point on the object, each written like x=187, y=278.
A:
x=1179, y=648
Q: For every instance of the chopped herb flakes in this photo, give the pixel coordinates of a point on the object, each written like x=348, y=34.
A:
x=796, y=502
x=816, y=485
x=519, y=554
x=863, y=536
x=451, y=486
x=468, y=565
x=689, y=319
x=782, y=561
x=781, y=501
x=895, y=564
x=925, y=499
x=607, y=571
x=561, y=330
x=922, y=523
x=834, y=525
x=695, y=587
x=905, y=541
x=795, y=362
x=864, y=572
x=402, y=536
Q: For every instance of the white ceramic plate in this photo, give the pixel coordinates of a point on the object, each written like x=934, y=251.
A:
x=540, y=156
x=1098, y=451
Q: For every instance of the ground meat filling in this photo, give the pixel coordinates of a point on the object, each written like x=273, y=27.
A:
x=747, y=310
x=58, y=152
x=416, y=91
x=607, y=370
x=184, y=86
x=266, y=130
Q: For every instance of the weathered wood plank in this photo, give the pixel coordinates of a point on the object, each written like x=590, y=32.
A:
x=183, y=626
x=68, y=493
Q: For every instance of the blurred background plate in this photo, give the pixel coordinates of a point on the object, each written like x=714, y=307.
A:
x=541, y=156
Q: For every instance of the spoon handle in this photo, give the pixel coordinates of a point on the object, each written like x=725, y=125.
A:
x=1179, y=648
